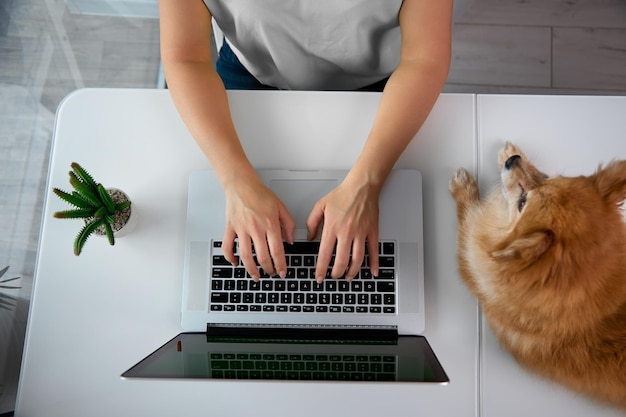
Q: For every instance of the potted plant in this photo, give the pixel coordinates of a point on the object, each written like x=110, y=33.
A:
x=7, y=302
x=105, y=211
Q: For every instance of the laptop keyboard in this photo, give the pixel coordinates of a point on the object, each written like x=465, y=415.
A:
x=233, y=290
x=302, y=366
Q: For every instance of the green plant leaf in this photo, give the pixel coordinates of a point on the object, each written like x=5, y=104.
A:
x=121, y=206
x=72, y=199
x=84, y=201
x=106, y=199
x=75, y=214
x=88, y=193
x=84, y=175
x=109, y=232
x=101, y=213
x=84, y=234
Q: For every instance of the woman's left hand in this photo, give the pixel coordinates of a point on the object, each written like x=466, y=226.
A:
x=350, y=216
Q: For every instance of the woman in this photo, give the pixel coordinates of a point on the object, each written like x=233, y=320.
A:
x=313, y=45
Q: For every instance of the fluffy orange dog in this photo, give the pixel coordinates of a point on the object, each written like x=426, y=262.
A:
x=546, y=258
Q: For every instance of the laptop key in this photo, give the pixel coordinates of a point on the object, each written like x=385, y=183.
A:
x=220, y=260
x=302, y=248
x=222, y=272
x=386, y=261
x=388, y=248
x=385, y=273
x=385, y=286
x=219, y=297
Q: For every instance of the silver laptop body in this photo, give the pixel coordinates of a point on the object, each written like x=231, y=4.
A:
x=400, y=221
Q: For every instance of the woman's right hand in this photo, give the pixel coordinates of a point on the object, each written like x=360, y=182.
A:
x=257, y=218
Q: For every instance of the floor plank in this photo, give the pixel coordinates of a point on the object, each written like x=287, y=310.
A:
x=501, y=55
x=553, y=13
x=590, y=58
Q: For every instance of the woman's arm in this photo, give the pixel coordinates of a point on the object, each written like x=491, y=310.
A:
x=350, y=212
x=254, y=214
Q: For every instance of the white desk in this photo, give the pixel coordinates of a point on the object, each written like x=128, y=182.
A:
x=95, y=315
x=562, y=135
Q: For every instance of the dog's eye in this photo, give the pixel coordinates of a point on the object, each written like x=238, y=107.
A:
x=521, y=202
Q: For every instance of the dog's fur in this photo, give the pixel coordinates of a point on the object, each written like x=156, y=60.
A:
x=546, y=258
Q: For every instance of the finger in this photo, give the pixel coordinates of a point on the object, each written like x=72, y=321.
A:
x=277, y=253
x=327, y=246
x=372, y=248
x=245, y=253
x=342, y=257
x=228, y=244
x=314, y=220
x=358, y=252
x=263, y=256
x=287, y=223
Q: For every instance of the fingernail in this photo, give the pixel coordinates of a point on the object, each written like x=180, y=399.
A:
x=319, y=279
x=256, y=278
x=282, y=274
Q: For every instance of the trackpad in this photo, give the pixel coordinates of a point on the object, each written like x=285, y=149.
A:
x=301, y=195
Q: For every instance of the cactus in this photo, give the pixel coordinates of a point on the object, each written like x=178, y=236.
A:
x=92, y=203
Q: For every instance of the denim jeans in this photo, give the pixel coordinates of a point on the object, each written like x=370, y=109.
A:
x=236, y=77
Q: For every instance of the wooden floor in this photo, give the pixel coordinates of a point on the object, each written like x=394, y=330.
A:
x=540, y=47
x=46, y=51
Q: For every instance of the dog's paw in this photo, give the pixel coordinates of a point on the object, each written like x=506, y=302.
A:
x=508, y=151
x=463, y=186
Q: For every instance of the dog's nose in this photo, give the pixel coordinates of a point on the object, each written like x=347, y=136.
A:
x=512, y=161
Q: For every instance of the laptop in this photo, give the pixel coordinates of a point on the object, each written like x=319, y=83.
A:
x=367, y=329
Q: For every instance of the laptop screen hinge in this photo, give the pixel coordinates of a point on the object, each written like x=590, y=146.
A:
x=303, y=332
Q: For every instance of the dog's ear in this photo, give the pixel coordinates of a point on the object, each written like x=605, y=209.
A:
x=610, y=181
x=525, y=248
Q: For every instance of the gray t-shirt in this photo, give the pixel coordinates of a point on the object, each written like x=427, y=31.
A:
x=312, y=44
